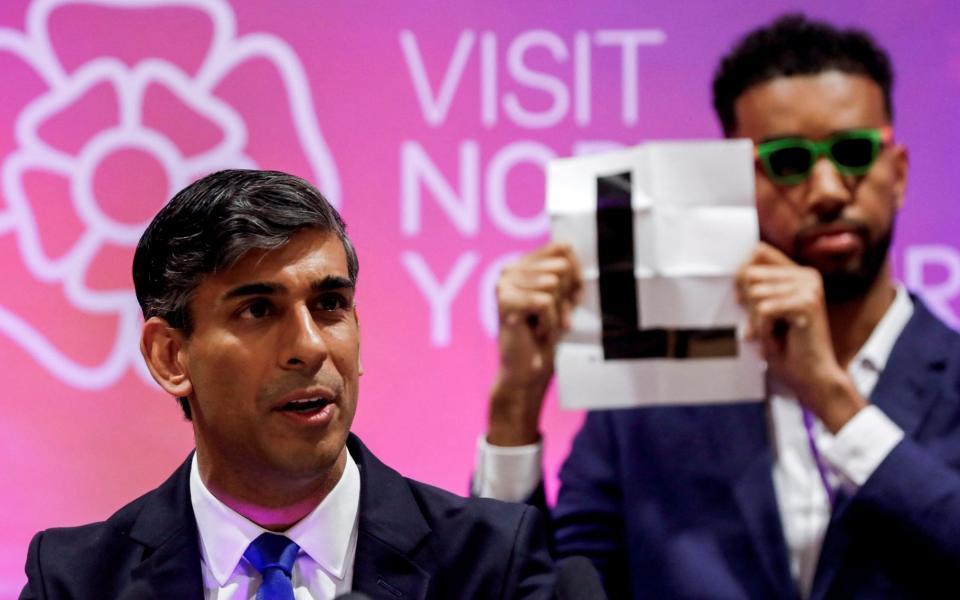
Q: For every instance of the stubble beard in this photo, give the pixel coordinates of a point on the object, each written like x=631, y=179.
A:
x=852, y=280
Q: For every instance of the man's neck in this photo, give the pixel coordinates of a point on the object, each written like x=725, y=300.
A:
x=852, y=322
x=268, y=501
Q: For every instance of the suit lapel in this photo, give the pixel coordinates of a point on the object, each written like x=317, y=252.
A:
x=167, y=529
x=755, y=497
x=906, y=394
x=382, y=570
x=391, y=530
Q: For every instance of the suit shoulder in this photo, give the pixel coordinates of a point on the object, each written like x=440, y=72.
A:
x=97, y=558
x=446, y=523
x=89, y=540
x=465, y=524
x=442, y=510
x=502, y=545
x=439, y=505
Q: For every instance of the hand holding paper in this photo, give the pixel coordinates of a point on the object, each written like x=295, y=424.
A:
x=787, y=315
x=535, y=298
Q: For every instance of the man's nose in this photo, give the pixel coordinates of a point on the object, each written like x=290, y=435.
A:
x=303, y=345
x=827, y=191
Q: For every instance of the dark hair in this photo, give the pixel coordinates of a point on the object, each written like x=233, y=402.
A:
x=794, y=45
x=210, y=224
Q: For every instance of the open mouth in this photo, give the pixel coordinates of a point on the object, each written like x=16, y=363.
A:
x=305, y=405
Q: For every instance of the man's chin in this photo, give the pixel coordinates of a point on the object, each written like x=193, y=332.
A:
x=847, y=275
x=314, y=462
x=847, y=278
x=846, y=286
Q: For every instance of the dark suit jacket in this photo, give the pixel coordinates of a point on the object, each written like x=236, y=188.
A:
x=415, y=541
x=678, y=502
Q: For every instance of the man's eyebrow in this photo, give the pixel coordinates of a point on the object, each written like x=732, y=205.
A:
x=263, y=288
x=833, y=133
x=255, y=289
x=779, y=136
x=331, y=282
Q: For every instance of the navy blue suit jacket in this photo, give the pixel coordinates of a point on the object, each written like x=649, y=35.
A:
x=678, y=502
x=415, y=541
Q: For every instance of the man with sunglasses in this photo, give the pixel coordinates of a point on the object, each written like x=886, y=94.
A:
x=844, y=482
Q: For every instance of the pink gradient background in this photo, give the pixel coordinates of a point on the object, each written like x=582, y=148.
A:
x=70, y=455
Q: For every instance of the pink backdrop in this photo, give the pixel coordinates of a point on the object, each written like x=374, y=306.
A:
x=427, y=123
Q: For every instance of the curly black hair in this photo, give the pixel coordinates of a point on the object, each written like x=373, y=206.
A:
x=795, y=45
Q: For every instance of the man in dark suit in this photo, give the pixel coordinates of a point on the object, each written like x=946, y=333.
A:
x=246, y=280
x=844, y=483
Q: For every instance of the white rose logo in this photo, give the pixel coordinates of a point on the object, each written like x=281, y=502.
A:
x=92, y=157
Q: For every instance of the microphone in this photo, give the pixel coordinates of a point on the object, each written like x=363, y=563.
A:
x=577, y=579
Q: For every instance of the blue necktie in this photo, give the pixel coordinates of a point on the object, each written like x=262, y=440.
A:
x=273, y=555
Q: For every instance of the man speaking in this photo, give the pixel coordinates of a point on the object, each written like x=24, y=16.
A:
x=844, y=483
x=247, y=280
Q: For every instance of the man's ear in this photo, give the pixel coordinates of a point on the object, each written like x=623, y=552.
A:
x=902, y=166
x=356, y=318
x=161, y=345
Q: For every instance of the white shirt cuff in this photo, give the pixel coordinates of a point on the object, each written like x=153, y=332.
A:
x=507, y=473
x=862, y=444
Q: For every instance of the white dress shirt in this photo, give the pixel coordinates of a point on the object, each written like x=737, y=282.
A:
x=851, y=456
x=327, y=538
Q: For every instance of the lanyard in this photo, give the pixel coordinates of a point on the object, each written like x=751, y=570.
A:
x=821, y=467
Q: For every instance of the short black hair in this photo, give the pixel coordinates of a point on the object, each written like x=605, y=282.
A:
x=211, y=224
x=795, y=45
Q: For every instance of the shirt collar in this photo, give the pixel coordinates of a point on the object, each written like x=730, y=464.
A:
x=324, y=534
x=875, y=352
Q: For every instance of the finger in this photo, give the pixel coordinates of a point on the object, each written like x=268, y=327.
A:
x=575, y=272
x=763, y=290
x=557, y=265
x=754, y=282
x=748, y=332
x=765, y=254
x=769, y=315
x=550, y=249
x=763, y=257
x=786, y=309
x=559, y=250
x=557, y=273
x=757, y=273
x=750, y=261
x=566, y=315
x=540, y=281
x=544, y=317
x=533, y=309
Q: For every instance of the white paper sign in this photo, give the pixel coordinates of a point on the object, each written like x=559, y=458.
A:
x=660, y=229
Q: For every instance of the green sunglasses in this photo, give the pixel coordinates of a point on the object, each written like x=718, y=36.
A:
x=789, y=161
